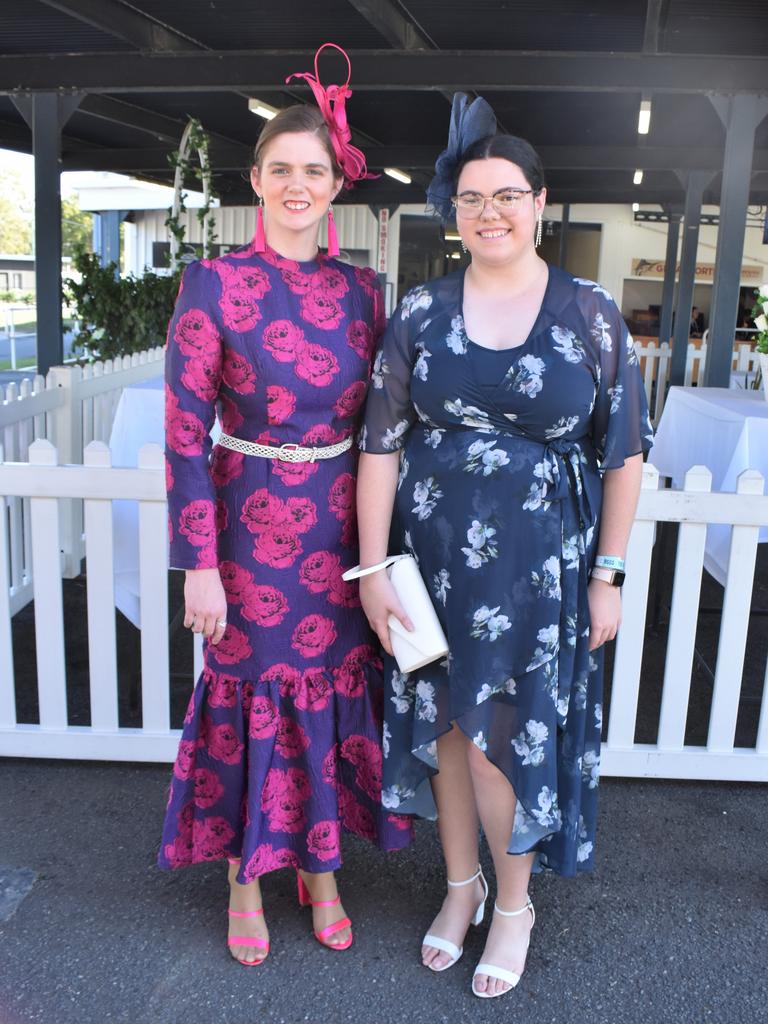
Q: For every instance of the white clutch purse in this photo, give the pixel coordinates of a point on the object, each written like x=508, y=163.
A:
x=427, y=642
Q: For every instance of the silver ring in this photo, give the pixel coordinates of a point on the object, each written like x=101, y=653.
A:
x=222, y=623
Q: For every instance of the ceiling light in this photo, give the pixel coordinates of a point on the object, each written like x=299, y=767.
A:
x=398, y=175
x=262, y=109
x=635, y=207
x=452, y=236
x=644, y=118
x=638, y=178
x=455, y=255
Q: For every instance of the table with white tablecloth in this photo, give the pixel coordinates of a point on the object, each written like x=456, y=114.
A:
x=139, y=420
x=723, y=429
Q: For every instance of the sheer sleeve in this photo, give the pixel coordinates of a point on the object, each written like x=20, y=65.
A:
x=389, y=411
x=621, y=426
x=192, y=376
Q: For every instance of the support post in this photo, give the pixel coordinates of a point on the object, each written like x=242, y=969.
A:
x=670, y=274
x=106, y=236
x=695, y=182
x=741, y=114
x=564, y=225
x=46, y=113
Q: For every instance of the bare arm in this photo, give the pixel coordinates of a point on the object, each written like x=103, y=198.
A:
x=376, y=487
x=621, y=489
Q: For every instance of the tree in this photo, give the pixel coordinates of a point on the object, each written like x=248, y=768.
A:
x=16, y=207
x=76, y=228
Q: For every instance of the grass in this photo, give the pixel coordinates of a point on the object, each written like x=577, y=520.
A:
x=21, y=364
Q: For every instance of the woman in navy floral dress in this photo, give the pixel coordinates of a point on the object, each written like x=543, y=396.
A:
x=508, y=399
x=281, y=747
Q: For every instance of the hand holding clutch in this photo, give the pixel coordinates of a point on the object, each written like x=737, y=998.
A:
x=427, y=641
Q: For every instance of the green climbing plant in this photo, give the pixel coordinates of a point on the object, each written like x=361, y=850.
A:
x=194, y=143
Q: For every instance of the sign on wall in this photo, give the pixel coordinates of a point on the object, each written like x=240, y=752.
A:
x=654, y=270
x=381, y=256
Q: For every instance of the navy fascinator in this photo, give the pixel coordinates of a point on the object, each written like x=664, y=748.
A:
x=469, y=123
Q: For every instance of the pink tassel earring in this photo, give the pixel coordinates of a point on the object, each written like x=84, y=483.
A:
x=333, y=238
x=259, y=240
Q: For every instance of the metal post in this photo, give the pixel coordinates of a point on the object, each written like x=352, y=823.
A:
x=564, y=225
x=46, y=113
x=106, y=236
x=741, y=115
x=46, y=143
x=696, y=182
x=670, y=273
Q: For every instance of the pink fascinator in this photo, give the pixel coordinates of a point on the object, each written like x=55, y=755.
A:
x=332, y=103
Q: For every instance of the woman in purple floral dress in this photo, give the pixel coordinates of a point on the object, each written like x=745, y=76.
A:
x=281, y=747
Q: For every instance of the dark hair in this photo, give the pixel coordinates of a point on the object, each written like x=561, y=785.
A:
x=299, y=118
x=507, y=147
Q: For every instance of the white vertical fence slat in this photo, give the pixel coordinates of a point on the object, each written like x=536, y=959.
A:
x=153, y=585
x=67, y=424
x=734, y=624
x=7, y=686
x=102, y=646
x=49, y=609
x=625, y=687
x=12, y=454
x=683, y=616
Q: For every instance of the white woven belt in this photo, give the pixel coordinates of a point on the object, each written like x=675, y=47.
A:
x=286, y=452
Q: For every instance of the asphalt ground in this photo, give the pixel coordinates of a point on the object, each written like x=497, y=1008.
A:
x=671, y=927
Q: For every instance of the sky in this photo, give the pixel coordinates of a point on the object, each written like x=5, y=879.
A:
x=24, y=163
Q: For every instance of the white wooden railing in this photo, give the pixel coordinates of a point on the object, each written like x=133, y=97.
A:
x=656, y=367
x=42, y=483
x=70, y=407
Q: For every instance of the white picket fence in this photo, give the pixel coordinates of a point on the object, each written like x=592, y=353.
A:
x=43, y=484
x=70, y=407
x=656, y=367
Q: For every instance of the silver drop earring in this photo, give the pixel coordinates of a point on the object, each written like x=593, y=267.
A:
x=537, y=241
x=463, y=247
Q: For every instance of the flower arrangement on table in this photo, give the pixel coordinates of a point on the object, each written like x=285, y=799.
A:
x=760, y=315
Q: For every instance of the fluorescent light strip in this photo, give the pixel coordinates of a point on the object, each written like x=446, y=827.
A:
x=262, y=109
x=398, y=175
x=638, y=178
x=644, y=118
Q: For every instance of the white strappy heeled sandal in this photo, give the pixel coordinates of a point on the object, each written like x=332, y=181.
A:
x=444, y=945
x=491, y=970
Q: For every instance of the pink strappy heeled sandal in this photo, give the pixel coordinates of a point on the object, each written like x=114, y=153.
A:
x=248, y=940
x=305, y=900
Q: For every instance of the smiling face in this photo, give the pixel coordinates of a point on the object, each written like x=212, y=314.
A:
x=494, y=237
x=296, y=182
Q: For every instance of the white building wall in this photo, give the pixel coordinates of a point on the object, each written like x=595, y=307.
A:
x=355, y=225
x=622, y=239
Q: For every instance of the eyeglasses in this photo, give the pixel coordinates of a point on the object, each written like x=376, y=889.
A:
x=504, y=200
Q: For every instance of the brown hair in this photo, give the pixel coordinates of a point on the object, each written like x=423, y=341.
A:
x=299, y=118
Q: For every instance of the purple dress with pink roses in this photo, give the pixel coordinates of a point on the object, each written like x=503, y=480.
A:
x=281, y=746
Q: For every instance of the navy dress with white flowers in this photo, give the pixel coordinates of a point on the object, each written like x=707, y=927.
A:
x=499, y=499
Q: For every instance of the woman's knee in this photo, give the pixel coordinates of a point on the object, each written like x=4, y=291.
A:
x=481, y=767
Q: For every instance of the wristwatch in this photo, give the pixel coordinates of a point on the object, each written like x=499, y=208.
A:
x=613, y=576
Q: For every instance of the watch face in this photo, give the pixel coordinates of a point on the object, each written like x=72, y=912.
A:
x=618, y=578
